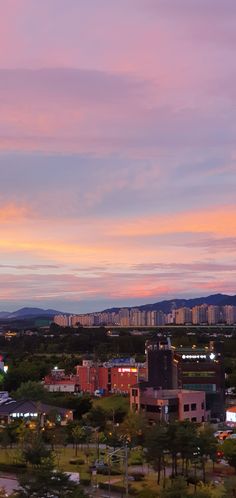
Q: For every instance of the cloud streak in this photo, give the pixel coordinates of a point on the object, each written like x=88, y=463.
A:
x=117, y=151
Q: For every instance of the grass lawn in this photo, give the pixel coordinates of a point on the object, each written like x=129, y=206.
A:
x=9, y=455
x=111, y=403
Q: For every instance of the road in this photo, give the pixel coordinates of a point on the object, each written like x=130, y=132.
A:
x=9, y=483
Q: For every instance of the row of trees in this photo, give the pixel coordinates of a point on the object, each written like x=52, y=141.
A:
x=39, y=479
x=178, y=450
x=186, y=444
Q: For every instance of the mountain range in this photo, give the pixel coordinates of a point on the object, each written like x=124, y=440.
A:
x=23, y=313
x=166, y=306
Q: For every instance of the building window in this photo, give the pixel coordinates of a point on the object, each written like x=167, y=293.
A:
x=203, y=419
x=202, y=405
x=200, y=387
x=194, y=419
x=186, y=408
x=134, y=392
x=193, y=407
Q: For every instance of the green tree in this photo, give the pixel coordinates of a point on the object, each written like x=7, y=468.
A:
x=175, y=489
x=230, y=487
x=79, y=436
x=9, y=435
x=97, y=417
x=133, y=428
x=229, y=449
x=148, y=493
x=30, y=390
x=186, y=437
x=207, y=445
x=157, y=444
x=173, y=445
x=34, y=451
x=182, y=440
x=42, y=480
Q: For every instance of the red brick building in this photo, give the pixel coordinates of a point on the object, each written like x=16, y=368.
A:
x=109, y=378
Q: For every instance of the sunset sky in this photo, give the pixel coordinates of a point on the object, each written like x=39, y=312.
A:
x=117, y=151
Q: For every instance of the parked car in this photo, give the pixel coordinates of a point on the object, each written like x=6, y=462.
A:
x=232, y=436
x=225, y=434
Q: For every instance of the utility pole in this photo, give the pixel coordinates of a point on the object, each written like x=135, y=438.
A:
x=109, y=468
x=126, y=472
x=123, y=449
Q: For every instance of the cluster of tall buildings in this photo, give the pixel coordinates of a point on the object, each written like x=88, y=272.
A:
x=187, y=382
x=198, y=315
x=205, y=314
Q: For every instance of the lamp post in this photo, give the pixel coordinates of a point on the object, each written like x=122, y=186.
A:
x=195, y=460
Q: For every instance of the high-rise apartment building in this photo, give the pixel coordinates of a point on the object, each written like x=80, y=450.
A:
x=160, y=318
x=213, y=315
x=151, y=318
x=124, y=317
x=62, y=320
x=199, y=314
x=183, y=316
x=229, y=314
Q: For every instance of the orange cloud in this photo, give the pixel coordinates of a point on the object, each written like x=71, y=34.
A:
x=13, y=212
x=221, y=221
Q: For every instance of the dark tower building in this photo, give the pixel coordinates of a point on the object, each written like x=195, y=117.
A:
x=202, y=369
x=162, y=364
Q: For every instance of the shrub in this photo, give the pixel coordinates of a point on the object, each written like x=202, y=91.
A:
x=105, y=471
x=13, y=467
x=138, y=476
x=118, y=488
x=76, y=461
x=85, y=481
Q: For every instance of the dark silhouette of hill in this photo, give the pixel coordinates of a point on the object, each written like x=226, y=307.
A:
x=28, y=313
x=167, y=305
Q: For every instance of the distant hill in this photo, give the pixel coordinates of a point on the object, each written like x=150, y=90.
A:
x=28, y=313
x=167, y=305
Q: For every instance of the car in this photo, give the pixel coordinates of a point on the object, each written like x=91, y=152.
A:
x=101, y=465
x=218, y=433
x=224, y=435
x=232, y=436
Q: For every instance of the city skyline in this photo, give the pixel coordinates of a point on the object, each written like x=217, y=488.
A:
x=117, y=152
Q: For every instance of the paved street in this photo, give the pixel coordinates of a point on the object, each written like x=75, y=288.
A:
x=8, y=482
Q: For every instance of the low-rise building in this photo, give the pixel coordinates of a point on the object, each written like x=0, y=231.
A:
x=168, y=404
x=33, y=411
x=57, y=381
